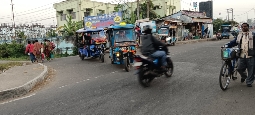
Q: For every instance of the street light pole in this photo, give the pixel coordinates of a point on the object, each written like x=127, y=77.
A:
x=148, y=9
x=138, y=10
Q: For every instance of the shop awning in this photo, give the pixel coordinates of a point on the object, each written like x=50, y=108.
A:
x=204, y=20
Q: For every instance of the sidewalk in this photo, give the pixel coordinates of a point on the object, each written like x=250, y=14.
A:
x=195, y=40
x=19, y=80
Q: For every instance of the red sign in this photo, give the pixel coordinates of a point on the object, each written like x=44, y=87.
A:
x=103, y=24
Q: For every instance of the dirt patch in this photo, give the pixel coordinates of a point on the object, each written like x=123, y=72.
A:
x=50, y=76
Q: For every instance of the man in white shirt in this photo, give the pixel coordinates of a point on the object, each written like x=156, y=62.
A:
x=245, y=41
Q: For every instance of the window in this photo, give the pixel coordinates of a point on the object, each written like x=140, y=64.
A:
x=87, y=12
x=100, y=12
x=62, y=17
x=124, y=35
x=163, y=31
x=73, y=14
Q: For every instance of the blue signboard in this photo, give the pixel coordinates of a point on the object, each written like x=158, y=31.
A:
x=102, y=21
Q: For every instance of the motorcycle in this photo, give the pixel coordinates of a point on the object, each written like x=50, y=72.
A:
x=218, y=36
x=148, y=69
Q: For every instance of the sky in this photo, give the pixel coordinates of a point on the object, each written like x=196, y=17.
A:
x=42, y=11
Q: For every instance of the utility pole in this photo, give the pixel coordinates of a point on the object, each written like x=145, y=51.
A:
x=148, y=8
x=230, y=11
x=138, y=10
x=228, y=14
x=13, y=23
x=232, y=14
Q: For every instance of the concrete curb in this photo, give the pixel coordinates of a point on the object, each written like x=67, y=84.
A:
x=24, y=89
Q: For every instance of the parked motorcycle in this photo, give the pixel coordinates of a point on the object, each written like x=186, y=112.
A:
x=148, y=69
x=218, y=36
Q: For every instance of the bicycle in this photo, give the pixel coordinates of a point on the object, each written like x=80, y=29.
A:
x=229, y=67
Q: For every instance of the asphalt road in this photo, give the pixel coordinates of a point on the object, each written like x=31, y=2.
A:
x=91, y=87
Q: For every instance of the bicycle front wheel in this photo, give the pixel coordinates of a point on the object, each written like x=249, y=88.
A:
x=224, y=77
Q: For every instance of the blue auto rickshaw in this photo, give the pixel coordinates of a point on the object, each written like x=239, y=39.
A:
x=122, y=44
x=225, y=31
x=92, y=44
x=167, y=35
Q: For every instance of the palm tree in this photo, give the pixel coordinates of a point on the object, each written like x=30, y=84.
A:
x=71, y=27
x=143, y=10
x=21, y=35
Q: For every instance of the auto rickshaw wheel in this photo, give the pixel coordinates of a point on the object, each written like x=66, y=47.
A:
x=102, y=58
x=112, y=61
x=82, y=57
x=127, y=64
x=174, y=44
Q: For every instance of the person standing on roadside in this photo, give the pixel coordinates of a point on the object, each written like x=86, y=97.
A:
x=52, y=48
x=246, y=42
x=29, y=50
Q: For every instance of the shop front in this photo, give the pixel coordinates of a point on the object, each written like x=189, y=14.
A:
x=192, y=23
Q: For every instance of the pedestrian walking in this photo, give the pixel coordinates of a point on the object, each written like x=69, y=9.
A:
x=37, y=50
x=246, y=42
x=29, y=51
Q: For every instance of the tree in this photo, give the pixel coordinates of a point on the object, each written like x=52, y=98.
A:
x=132, y=19
x=143, y=10
x=249, y=21
x=22, y=35
x=72, y=26
x=217, y=24
x=51, y=33
x=117, y=8
x=233, y=23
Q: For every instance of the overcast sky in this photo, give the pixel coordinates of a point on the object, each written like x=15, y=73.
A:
x=42, y=11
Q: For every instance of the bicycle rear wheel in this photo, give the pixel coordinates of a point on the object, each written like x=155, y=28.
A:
x=224, y=77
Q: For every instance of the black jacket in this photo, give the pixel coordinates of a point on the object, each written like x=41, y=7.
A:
x=150, y=44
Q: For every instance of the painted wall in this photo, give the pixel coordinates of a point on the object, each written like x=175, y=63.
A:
x=80, y=9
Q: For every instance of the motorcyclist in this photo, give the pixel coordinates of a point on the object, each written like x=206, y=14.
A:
x=150, y=47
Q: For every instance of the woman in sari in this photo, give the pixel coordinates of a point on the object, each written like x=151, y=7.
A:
x=47, y=49
x=37, y=50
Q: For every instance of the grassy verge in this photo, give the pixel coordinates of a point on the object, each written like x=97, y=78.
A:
x=7, y=65
x=23, y=58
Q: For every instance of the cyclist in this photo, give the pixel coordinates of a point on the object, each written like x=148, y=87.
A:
x=246, y=42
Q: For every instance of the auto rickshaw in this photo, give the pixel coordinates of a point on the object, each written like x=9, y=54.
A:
x=122, y=44
x=167, y=35
x=225, y=31
x=92, y=43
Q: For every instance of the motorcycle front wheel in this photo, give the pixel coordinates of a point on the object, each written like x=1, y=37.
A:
x=170, y=67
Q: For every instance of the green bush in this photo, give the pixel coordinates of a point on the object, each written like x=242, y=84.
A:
x=75, y=51
x=12, y=50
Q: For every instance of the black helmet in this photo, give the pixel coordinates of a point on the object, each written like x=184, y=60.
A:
x=147, y=29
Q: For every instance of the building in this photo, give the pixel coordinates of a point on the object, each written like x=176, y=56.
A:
x=206, y=7
x=82, y=8
x=79, y=9
x=161, y=7
x=10, y=32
